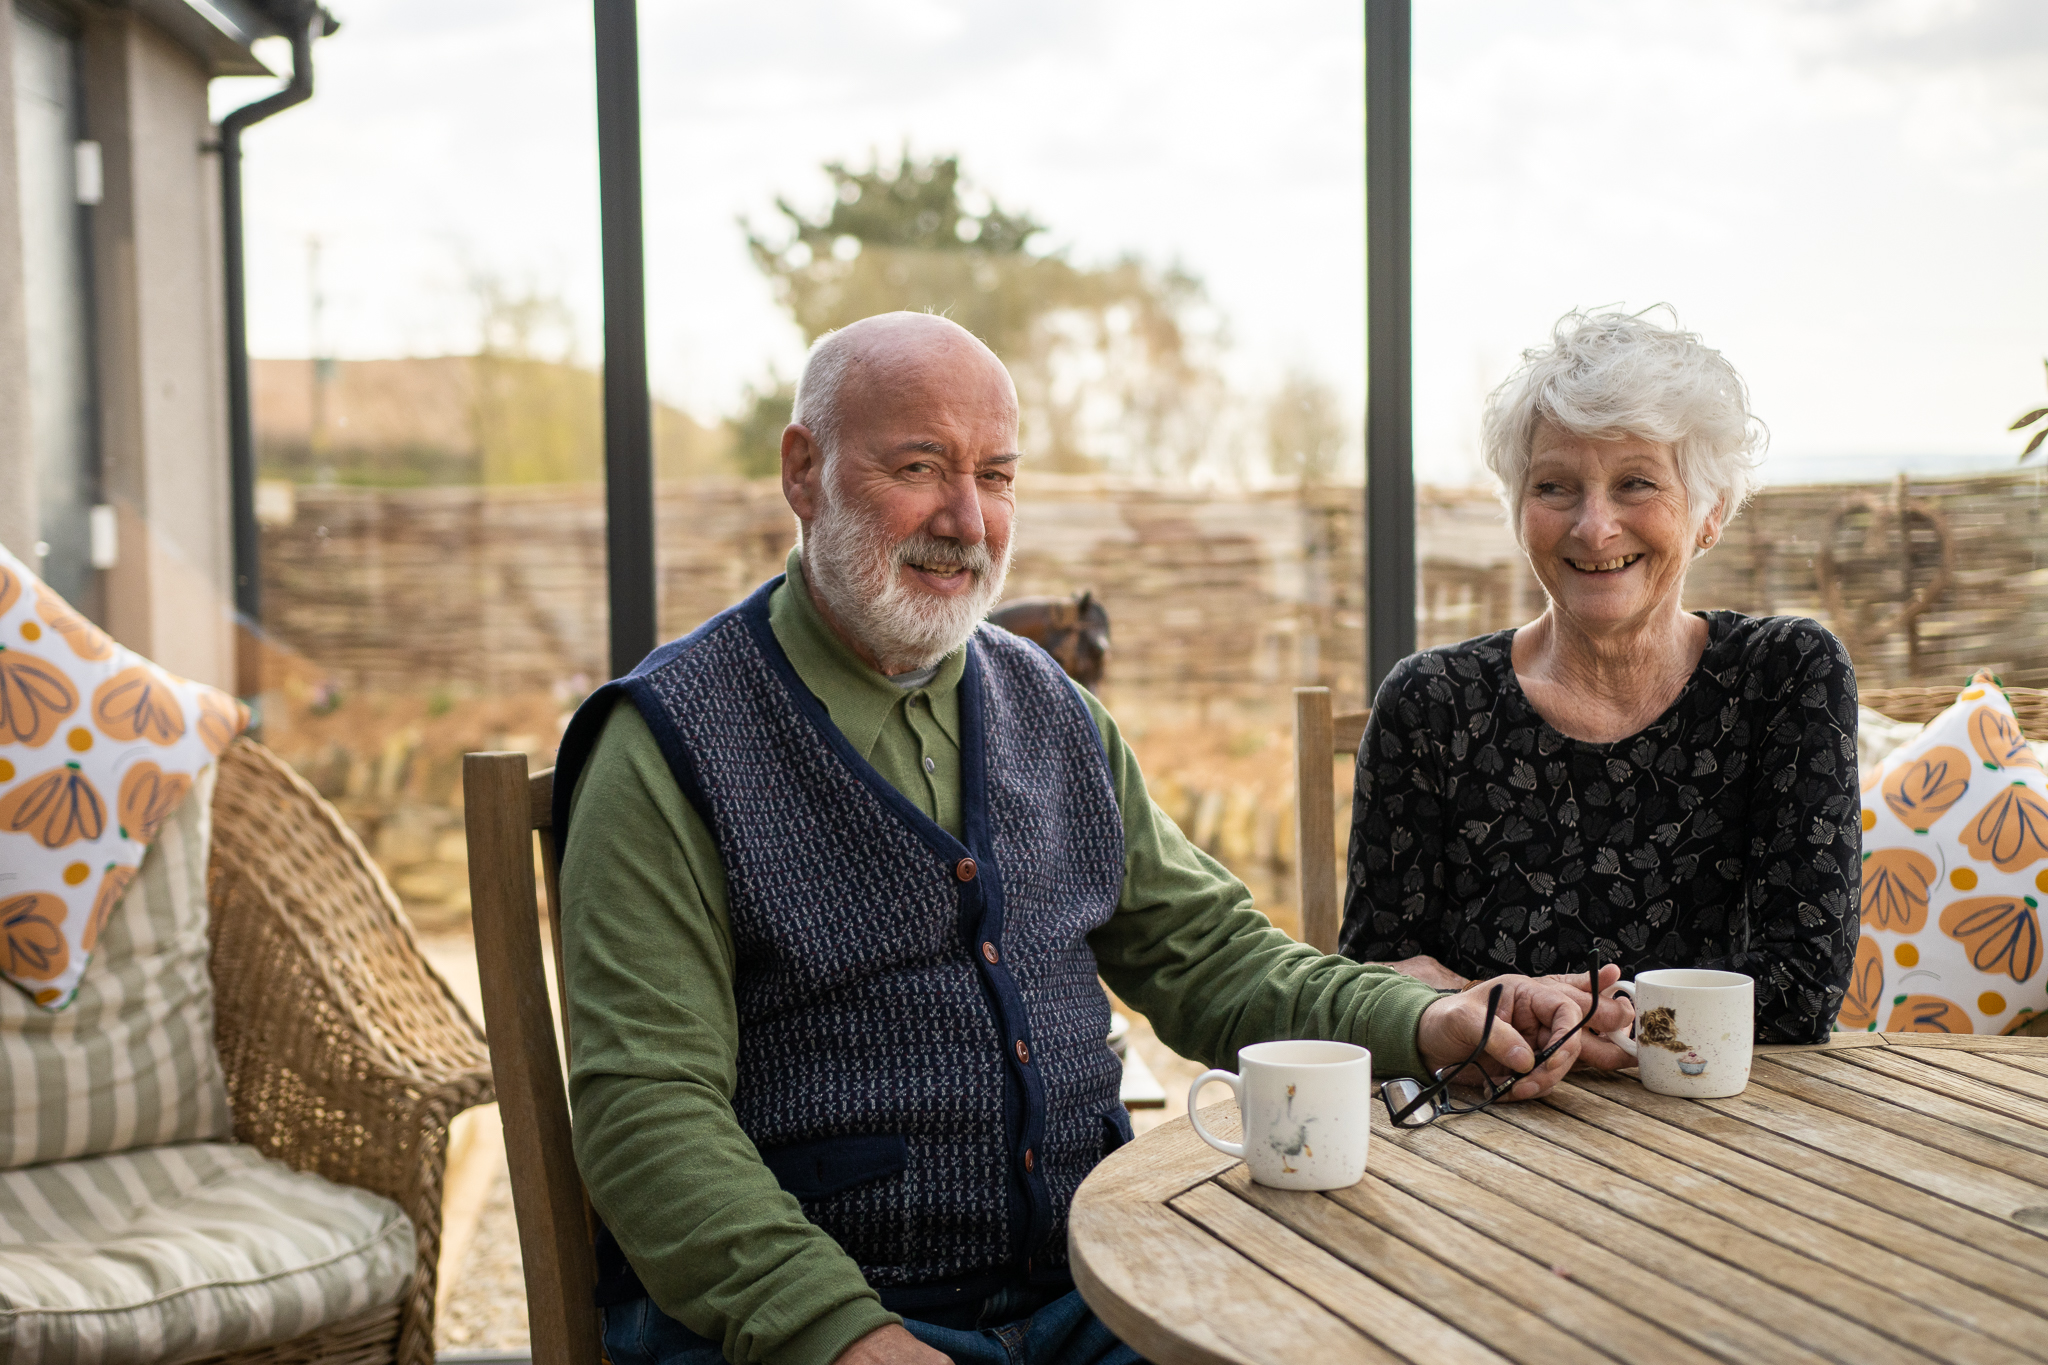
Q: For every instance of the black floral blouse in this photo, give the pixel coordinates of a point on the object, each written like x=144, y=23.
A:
x=1725, y=835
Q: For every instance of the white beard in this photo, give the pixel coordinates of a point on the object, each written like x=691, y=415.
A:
x=852, y=567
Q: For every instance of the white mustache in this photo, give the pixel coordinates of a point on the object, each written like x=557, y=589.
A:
x=921, y=547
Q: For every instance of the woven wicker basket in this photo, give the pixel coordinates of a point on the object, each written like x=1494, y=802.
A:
x=1922, y=704
x=345, y=1054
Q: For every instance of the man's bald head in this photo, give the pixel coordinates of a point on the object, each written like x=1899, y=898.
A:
x=891, y=350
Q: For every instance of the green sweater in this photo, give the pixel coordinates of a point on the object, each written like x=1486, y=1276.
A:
x=647, y=948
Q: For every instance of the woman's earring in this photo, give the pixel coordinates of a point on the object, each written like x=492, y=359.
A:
x=1706, y=542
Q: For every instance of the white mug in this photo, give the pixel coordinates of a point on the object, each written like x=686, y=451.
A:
x=1306, y=1108
x=1694, y=1031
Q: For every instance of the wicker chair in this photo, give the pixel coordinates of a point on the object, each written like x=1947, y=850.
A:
x=1922, y=704
x=345, y=1054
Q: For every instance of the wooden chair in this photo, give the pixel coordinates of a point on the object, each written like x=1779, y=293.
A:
x=1319, y=737
x=505, y=808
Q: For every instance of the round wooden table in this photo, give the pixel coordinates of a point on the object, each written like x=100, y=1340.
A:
x=1882, y=1197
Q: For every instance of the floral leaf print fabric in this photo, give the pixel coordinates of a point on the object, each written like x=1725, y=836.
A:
x=98, y=749
x=1971, y=960
x=1724, y=835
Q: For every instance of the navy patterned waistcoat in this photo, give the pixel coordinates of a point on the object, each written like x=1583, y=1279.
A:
x=921, y=1055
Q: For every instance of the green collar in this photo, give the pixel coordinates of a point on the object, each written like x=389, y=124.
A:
x=859, y=700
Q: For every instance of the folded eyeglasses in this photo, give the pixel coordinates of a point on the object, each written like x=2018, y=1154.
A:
x=1413, y=1104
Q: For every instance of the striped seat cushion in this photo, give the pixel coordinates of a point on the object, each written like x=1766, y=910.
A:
x=177, y=1252
x=131, y=1061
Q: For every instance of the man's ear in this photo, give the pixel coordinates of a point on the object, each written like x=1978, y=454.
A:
x=803, y=469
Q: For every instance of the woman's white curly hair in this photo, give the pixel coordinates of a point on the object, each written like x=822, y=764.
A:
x=1608, y=375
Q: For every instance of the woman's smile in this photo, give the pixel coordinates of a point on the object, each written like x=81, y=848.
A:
x=1604, y=565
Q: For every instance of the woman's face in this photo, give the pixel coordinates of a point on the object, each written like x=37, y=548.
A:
x=1607, y=528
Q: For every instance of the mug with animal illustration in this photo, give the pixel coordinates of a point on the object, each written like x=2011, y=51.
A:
x=1694, y=1032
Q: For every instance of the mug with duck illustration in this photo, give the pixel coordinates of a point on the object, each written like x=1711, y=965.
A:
x=1306, y=1108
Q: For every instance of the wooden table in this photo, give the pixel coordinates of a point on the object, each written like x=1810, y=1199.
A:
x=1879, y=1198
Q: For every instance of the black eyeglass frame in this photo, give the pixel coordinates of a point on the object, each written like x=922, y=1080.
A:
x=1435, y=1097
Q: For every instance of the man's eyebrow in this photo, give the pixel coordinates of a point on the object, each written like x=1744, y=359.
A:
x=1007, y=457
x=927, y=447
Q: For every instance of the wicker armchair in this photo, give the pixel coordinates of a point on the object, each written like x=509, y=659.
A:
x=345, y=1054
x=1922, y=704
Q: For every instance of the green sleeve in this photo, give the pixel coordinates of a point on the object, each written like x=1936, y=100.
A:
x=647, y=949
x=1187, y=950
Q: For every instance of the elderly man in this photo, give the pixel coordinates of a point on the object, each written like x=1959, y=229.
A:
x=842, y=868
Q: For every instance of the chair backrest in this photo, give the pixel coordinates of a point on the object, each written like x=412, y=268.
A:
x=1319, y=737
x=504, y=809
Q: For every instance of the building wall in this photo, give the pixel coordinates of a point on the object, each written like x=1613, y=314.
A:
x=19, y=513
x=161, y=377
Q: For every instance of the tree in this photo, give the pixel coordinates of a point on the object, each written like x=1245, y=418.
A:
x=2028, y=419
x=1115, y=366
x=1304, y=431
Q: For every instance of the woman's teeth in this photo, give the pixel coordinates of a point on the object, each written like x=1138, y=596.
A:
x=1603, y=566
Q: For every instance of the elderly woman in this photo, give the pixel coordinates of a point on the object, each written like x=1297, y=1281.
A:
x=1619, y=778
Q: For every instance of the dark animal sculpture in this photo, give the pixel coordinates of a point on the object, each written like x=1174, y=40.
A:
x=1074, y=630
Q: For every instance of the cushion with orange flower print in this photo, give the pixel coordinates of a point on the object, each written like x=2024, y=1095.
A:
x=1955, y=869
x=98, y=747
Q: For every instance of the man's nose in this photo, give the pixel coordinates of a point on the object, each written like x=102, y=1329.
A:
x=959, y=518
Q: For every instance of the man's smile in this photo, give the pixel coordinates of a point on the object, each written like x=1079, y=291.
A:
x=1604, y=565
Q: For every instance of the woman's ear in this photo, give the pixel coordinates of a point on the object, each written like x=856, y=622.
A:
x=1710, y=529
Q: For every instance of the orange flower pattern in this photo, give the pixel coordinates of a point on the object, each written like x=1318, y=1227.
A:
x=1896, y=885
x=2012, y=829
x=35, y=697
x=32, y=925
x=1928, y=1014
x=113, y=886
x=56, y=808
x=148, y=797
x=87, y=640
x=1866, y=988
x=2003, y=933
x=1924, y=790
x=79, y=801
x=1997, y=739
x=221, y=718
x=139, y=703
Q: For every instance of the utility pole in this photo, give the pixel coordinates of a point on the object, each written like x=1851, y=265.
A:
x=628, y=418
x=1389, y=345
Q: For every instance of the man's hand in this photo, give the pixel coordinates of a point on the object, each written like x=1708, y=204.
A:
x=1533, y=1011
x=1429, y=972
x=891, y=1345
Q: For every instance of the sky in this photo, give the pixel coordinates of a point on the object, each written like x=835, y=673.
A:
x=1846, y=197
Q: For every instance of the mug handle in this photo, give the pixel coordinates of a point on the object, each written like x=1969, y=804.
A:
x=1230, y=1079
x=1626, y=1041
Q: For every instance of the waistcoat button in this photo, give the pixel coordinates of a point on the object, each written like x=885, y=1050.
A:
x=988, y=950
x=1029, y=1161
x=1024, y=1052
x=964, y=869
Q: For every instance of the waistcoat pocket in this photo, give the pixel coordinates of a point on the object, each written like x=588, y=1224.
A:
x=812, y=1170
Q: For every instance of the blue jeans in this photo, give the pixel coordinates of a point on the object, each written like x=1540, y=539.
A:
x=1063, y=1332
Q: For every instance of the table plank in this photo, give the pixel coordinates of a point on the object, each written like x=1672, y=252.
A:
x=2009, y=1072
x=1574, y=1261
x=1719, y=1183
x=1969, y=1042
x=1178, y=1296
x=1407, y=1328
x=1393, y=1267
x=1880, y=1137
x=1907, y=1107
x=1834, y=1042
x=1928, y=1073
x=1924, y=1228
x=1735, y=1289
x=1550, y=1144
x=1470, y=1281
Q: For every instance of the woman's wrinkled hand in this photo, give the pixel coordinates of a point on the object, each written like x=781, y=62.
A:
x=1618, y=1015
